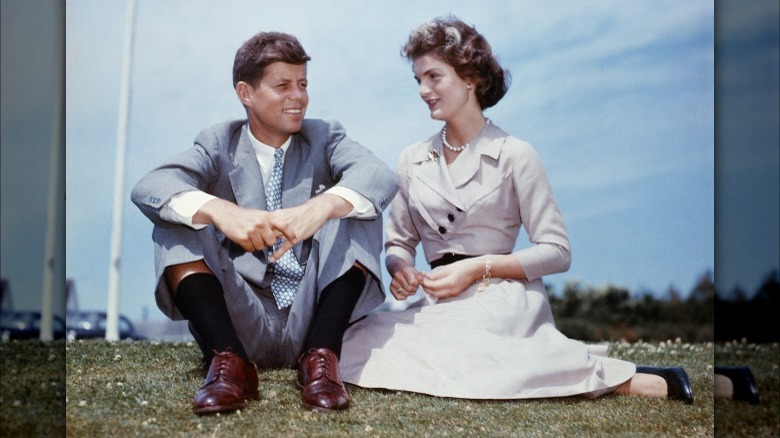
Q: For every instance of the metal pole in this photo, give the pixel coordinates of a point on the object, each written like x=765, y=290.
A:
x=52, y=213
x=112, y=311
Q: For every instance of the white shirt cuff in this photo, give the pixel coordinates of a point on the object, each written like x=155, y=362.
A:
x=183, y=206
x=362, y=208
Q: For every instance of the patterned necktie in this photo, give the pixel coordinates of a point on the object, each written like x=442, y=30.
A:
x=287, y=272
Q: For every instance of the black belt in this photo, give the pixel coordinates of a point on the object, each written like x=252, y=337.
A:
x=448, y=258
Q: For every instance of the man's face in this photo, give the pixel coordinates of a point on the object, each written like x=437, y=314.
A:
x=277, y=105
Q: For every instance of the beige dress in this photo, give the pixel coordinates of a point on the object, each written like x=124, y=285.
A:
x=500, y=343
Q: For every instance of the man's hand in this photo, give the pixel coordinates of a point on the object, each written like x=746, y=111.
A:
x=299, y=223
x=256, y=229
x=251, y=229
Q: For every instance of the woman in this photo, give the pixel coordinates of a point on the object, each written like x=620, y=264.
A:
x=484, y=329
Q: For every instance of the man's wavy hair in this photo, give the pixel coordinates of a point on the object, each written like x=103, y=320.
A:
x=466, y=50
x=264, y=49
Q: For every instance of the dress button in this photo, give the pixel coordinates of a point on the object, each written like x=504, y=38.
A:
x=442, y=230
x=451, y=217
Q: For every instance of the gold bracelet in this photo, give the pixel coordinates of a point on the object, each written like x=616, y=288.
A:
x=485, y=280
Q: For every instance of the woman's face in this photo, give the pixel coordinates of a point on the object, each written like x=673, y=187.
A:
x=445, y=93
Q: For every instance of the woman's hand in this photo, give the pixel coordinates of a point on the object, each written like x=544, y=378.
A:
x=451, y=280
x=406, y=281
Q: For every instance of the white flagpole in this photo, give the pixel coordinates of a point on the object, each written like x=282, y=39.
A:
x=112, y=311
x=52, y=214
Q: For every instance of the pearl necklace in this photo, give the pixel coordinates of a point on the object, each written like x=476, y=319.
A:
x=448, y=145
x=456, y=149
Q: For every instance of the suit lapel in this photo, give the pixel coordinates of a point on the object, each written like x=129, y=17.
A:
x=470, y=160
x=463, y=169
x=434, y=174
x=246, y=177
x=479, y=174
x=298, y=172
x=451, y=182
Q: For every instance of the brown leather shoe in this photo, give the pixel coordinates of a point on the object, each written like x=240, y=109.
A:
x=320, y=380
x=229, y=382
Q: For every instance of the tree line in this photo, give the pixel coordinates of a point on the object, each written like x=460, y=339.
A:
x=595, y=314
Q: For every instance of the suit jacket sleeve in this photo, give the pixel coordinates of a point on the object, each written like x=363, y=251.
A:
x=352, y=165
x=193, y=169
x=541, y=218
x=402, y=235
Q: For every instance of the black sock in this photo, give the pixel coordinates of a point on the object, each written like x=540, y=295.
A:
x=201, y=300
x=336, y=304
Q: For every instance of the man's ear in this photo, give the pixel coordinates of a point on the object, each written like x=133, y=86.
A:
x=244, y=93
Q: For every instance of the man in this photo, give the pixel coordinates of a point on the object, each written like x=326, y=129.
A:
x=267, y=235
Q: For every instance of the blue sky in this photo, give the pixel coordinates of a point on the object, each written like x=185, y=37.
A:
x=617, y=98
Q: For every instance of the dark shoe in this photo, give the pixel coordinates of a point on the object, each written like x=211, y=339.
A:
x=677, y=383
x=744, y=383
x=229, y=382
x=320, y=380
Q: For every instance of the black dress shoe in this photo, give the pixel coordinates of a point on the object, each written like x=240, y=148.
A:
x=677, y=382
x=745, y=388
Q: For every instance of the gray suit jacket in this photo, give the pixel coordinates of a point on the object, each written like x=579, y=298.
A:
x=223, y=163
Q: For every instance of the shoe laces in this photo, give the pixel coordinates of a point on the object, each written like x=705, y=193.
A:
x=323, y=366
x=221, y=362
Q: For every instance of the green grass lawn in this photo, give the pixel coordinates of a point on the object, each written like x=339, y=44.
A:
x=145, y=389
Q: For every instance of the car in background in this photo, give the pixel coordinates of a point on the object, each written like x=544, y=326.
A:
x=92, y=325
x=23, y=324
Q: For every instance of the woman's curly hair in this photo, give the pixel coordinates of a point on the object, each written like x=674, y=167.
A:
x=466, y=50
